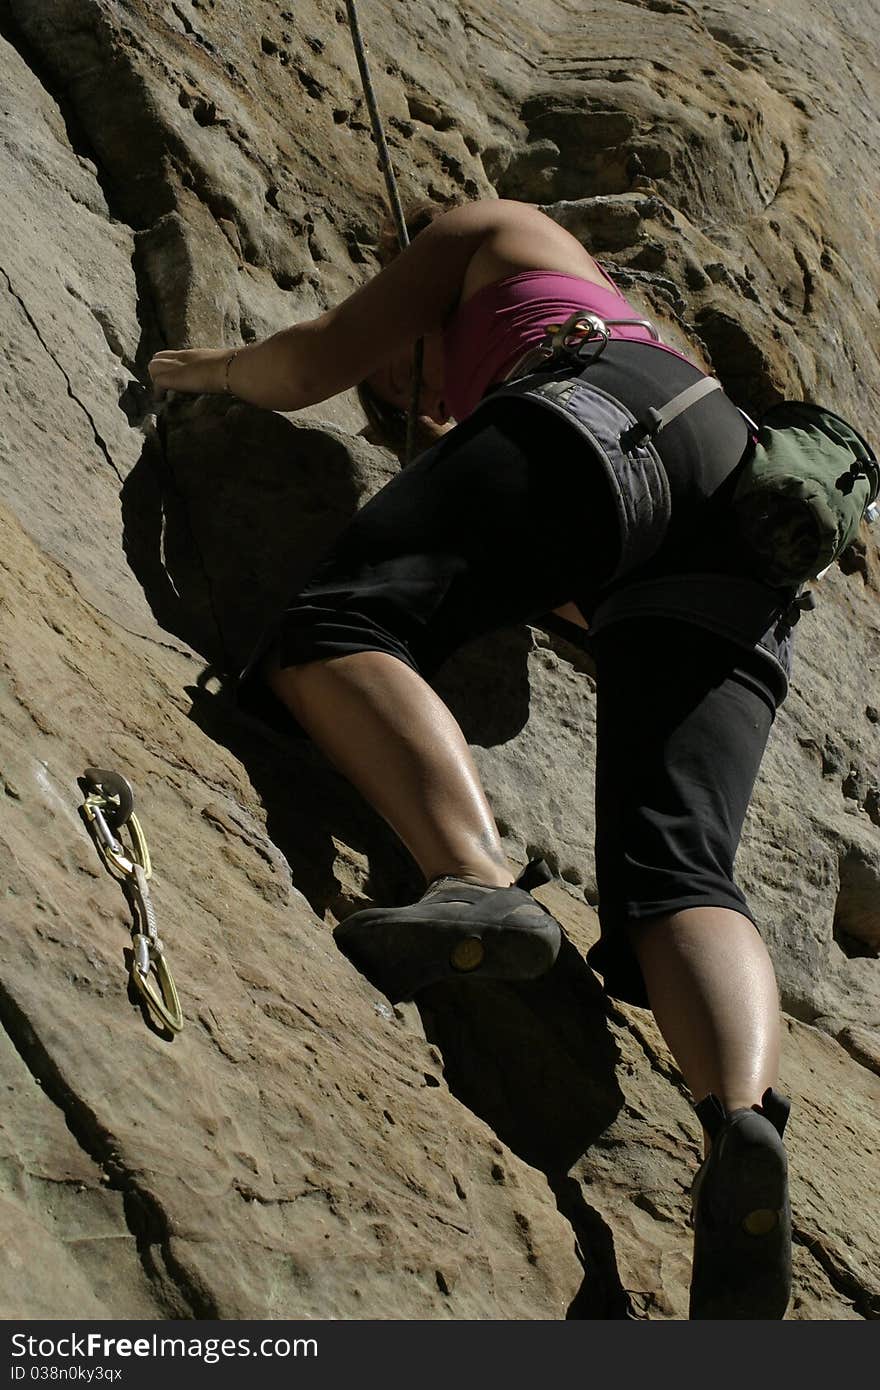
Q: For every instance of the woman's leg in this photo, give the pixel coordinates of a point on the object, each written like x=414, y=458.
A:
x=387, y=731
x=683, y=719
x=712, y=989
x=677, y=761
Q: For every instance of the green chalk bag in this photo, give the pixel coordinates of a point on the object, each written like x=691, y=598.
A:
x=802, y=492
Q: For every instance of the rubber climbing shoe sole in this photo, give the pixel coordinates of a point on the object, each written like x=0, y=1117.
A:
x=742, y=1222
x=456, y=930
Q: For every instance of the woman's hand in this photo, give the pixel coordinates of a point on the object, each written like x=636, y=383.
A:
x=196, y=370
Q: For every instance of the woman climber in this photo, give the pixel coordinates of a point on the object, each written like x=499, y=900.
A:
x=598, y=475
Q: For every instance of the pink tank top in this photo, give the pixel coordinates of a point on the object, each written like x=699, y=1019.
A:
x=491, y=330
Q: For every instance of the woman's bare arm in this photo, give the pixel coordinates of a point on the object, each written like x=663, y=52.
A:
x=411, y=297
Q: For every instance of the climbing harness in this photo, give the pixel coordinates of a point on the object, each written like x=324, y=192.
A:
x=396, y=207
x=107, y=809
x=623, y=443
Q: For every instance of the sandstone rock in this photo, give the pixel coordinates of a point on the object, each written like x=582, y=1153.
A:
x=172, y=177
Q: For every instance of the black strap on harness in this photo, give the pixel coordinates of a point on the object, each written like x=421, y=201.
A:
x=656, y=418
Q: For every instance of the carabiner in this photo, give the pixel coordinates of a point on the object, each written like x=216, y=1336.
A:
x=580, y=331
x=154, y=982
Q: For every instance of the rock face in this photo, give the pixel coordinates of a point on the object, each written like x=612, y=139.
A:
x=173, y=175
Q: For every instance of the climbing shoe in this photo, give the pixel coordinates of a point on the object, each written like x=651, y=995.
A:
x=741, y=1213
x=456, y=930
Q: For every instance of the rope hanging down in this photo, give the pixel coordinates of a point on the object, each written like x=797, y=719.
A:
x=394, y=199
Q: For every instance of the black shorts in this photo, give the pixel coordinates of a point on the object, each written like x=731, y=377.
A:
x=505, y=519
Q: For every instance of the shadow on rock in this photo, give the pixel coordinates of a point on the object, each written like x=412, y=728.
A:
x=537, y=1063
x=486, y=685
x=228, y=510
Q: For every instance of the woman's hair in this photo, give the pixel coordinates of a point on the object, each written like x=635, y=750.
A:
x=417, y=217
x=386, y=423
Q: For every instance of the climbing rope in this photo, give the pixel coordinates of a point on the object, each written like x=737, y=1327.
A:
x=108, y=808
x=396, y=206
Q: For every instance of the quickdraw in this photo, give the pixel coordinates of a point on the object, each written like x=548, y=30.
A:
x=107, y=809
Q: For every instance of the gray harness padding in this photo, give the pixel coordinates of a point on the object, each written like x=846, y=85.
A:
x=623, y=444
x=638, y=480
